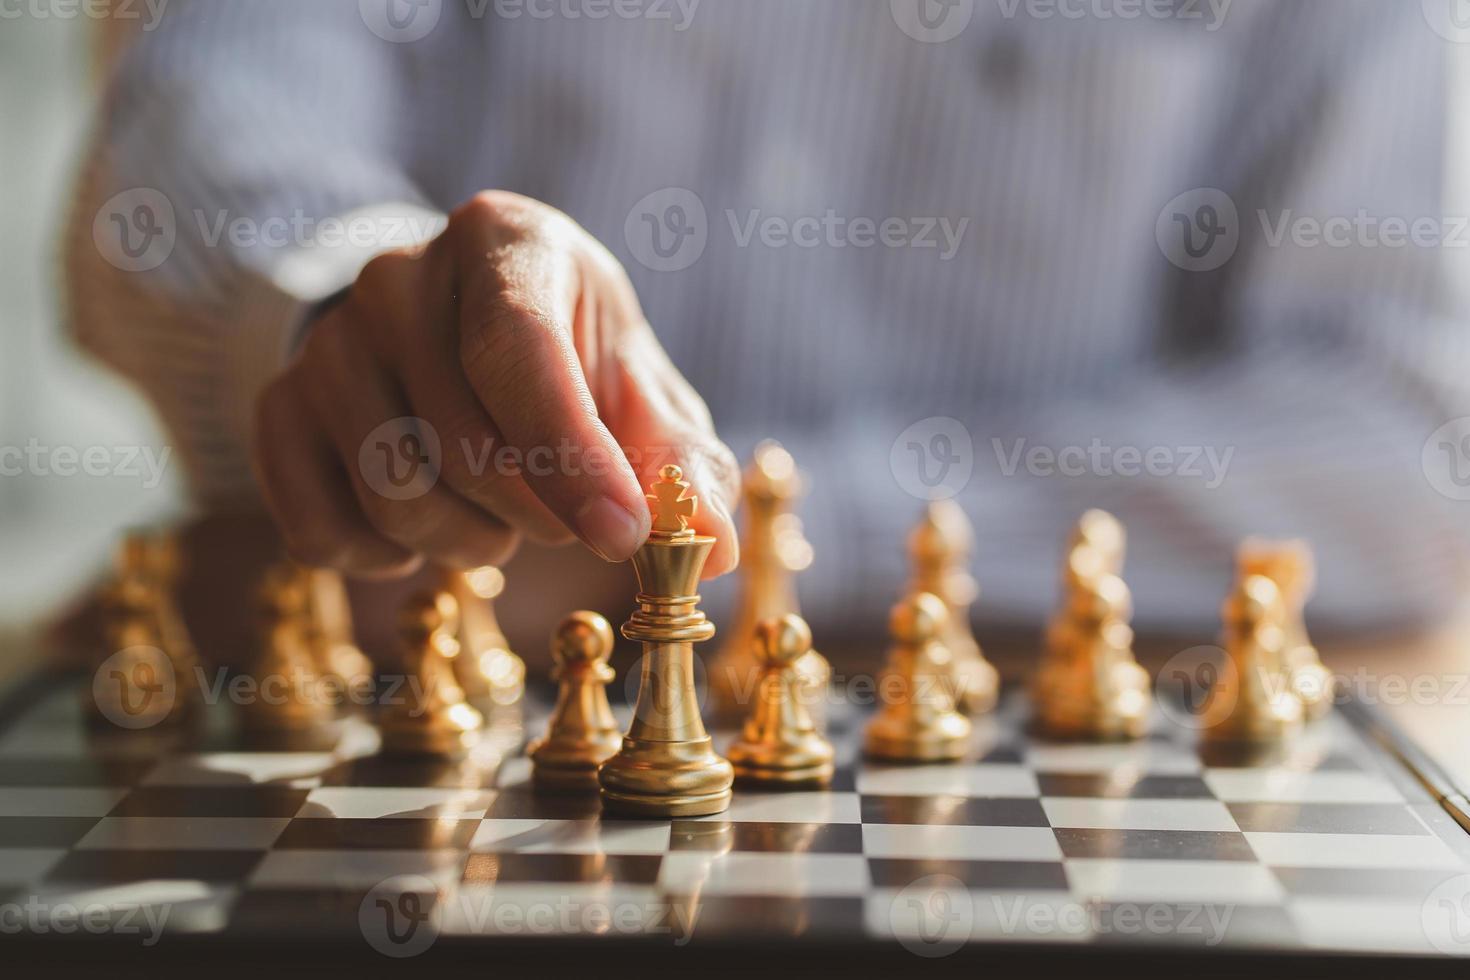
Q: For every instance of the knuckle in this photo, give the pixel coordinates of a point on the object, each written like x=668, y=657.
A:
x=405, y=521
x=313, y=543
x=381, y=275
x=497, y=209
x=324, y=344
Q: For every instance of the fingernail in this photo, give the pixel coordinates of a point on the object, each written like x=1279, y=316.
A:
x=609, y=529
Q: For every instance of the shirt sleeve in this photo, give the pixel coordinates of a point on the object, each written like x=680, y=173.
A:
x=209, y=225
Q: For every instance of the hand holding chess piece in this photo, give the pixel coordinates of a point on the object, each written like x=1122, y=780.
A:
x=1289, y=564
x=667, y=766
x=1089, y=686
x=780, y=744
x=939, y=549
x=430, y=715
x=289, y=692
x=582, y=733
x=1252, y=701
x=918, y=721
x=773, y=550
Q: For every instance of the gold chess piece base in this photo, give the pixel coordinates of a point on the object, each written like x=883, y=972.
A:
x=449, y=734
x=949, y=739
x=1068, y=711
x=666, y=779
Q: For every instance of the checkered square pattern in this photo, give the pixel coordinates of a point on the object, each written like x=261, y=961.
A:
x=1326, y=845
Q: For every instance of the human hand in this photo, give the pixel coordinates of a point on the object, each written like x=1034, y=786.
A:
x=516, y=339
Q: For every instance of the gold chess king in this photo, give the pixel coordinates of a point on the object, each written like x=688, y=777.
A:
x=667, y=766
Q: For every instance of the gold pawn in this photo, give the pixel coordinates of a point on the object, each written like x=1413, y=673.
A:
x=667, y=766
x=136, y=687
x=486, y=667
x=582, y=733
x=780, y=744
x=288, y=695
x=1089, y=686
x=1252, y=700
x=429, y=715
x=154, y=561
x=773, y=551
x=918, y=721
x=939, y=549
x=1289, y=564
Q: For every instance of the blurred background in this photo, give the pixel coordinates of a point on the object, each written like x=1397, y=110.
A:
x=57, y=534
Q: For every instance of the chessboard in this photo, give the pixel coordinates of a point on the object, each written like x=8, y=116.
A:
x=203, y=845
